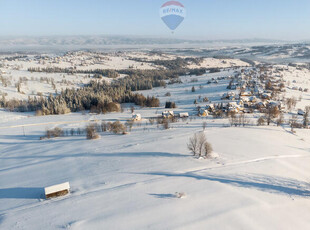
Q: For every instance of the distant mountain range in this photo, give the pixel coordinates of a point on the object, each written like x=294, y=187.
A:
x=113, y=40
x=251, y=49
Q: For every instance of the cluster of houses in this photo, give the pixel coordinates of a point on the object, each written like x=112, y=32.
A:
x=252, y=89
x=170, y=114
x=166, y=114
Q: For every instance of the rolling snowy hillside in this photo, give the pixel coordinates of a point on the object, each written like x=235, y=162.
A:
x=258, y=177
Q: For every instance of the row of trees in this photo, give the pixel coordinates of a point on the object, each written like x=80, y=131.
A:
x=91, y=131
x=178, y=63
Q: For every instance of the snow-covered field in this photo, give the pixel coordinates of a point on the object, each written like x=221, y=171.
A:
x=40, y=83
x=220, y=63
x=258, y=178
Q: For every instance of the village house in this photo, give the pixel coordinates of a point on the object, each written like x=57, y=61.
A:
x=136, y=117
x=168, y=114
x=183, y=115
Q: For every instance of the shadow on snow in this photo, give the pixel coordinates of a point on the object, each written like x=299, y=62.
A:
x=263, y=183
x=125, y=154
x=21, y=193
x=163, y=196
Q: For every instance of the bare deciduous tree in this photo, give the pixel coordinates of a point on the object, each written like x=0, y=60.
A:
x=129, y=124
x=293, y=122
x=201, y=143
x=261, y=121
x=204, y=125
x=306, y=117
x=132, y=109
x=193, y=144
x=291, y=103
x=199, y=146
x=118, y=128
x=271, y=113
x=166, y=122
x=280, y=120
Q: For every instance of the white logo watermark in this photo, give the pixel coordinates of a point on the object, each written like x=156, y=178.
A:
x=172, y=13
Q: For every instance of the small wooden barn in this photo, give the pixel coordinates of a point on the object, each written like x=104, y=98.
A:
x=57, y=190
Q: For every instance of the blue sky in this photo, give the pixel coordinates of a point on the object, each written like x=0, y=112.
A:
x=206, y=19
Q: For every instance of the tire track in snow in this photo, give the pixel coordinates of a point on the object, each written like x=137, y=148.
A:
x=223, y=165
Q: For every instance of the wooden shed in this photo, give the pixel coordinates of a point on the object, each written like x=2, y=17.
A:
x=57, y=190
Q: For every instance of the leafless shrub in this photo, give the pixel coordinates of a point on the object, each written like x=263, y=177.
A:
x=306, y=117
x=261, y=121
x=291, y=103
x=91, y=132
x=204, y=125
x=280, y=120
x=129, y=124
x=294, y=124
x=166, y=122
x=152, y=121
x=244, y=120
x=39, y=112
x=232, y=118
x=218, y=113
x=208, y=149
x=271, y=113
x=104, y=126
x=118, y=128
x=112, y=107
x=56, y=132
x=205, y=99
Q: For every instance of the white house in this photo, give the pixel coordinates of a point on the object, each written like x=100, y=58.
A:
x=183, y=115
x=168, y=114
x=136, y=117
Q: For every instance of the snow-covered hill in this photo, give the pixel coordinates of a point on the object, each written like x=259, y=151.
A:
x=258, y=177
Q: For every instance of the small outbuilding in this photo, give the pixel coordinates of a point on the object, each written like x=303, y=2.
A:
x=136, y=117
x=57, y=190
x=183, y=115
